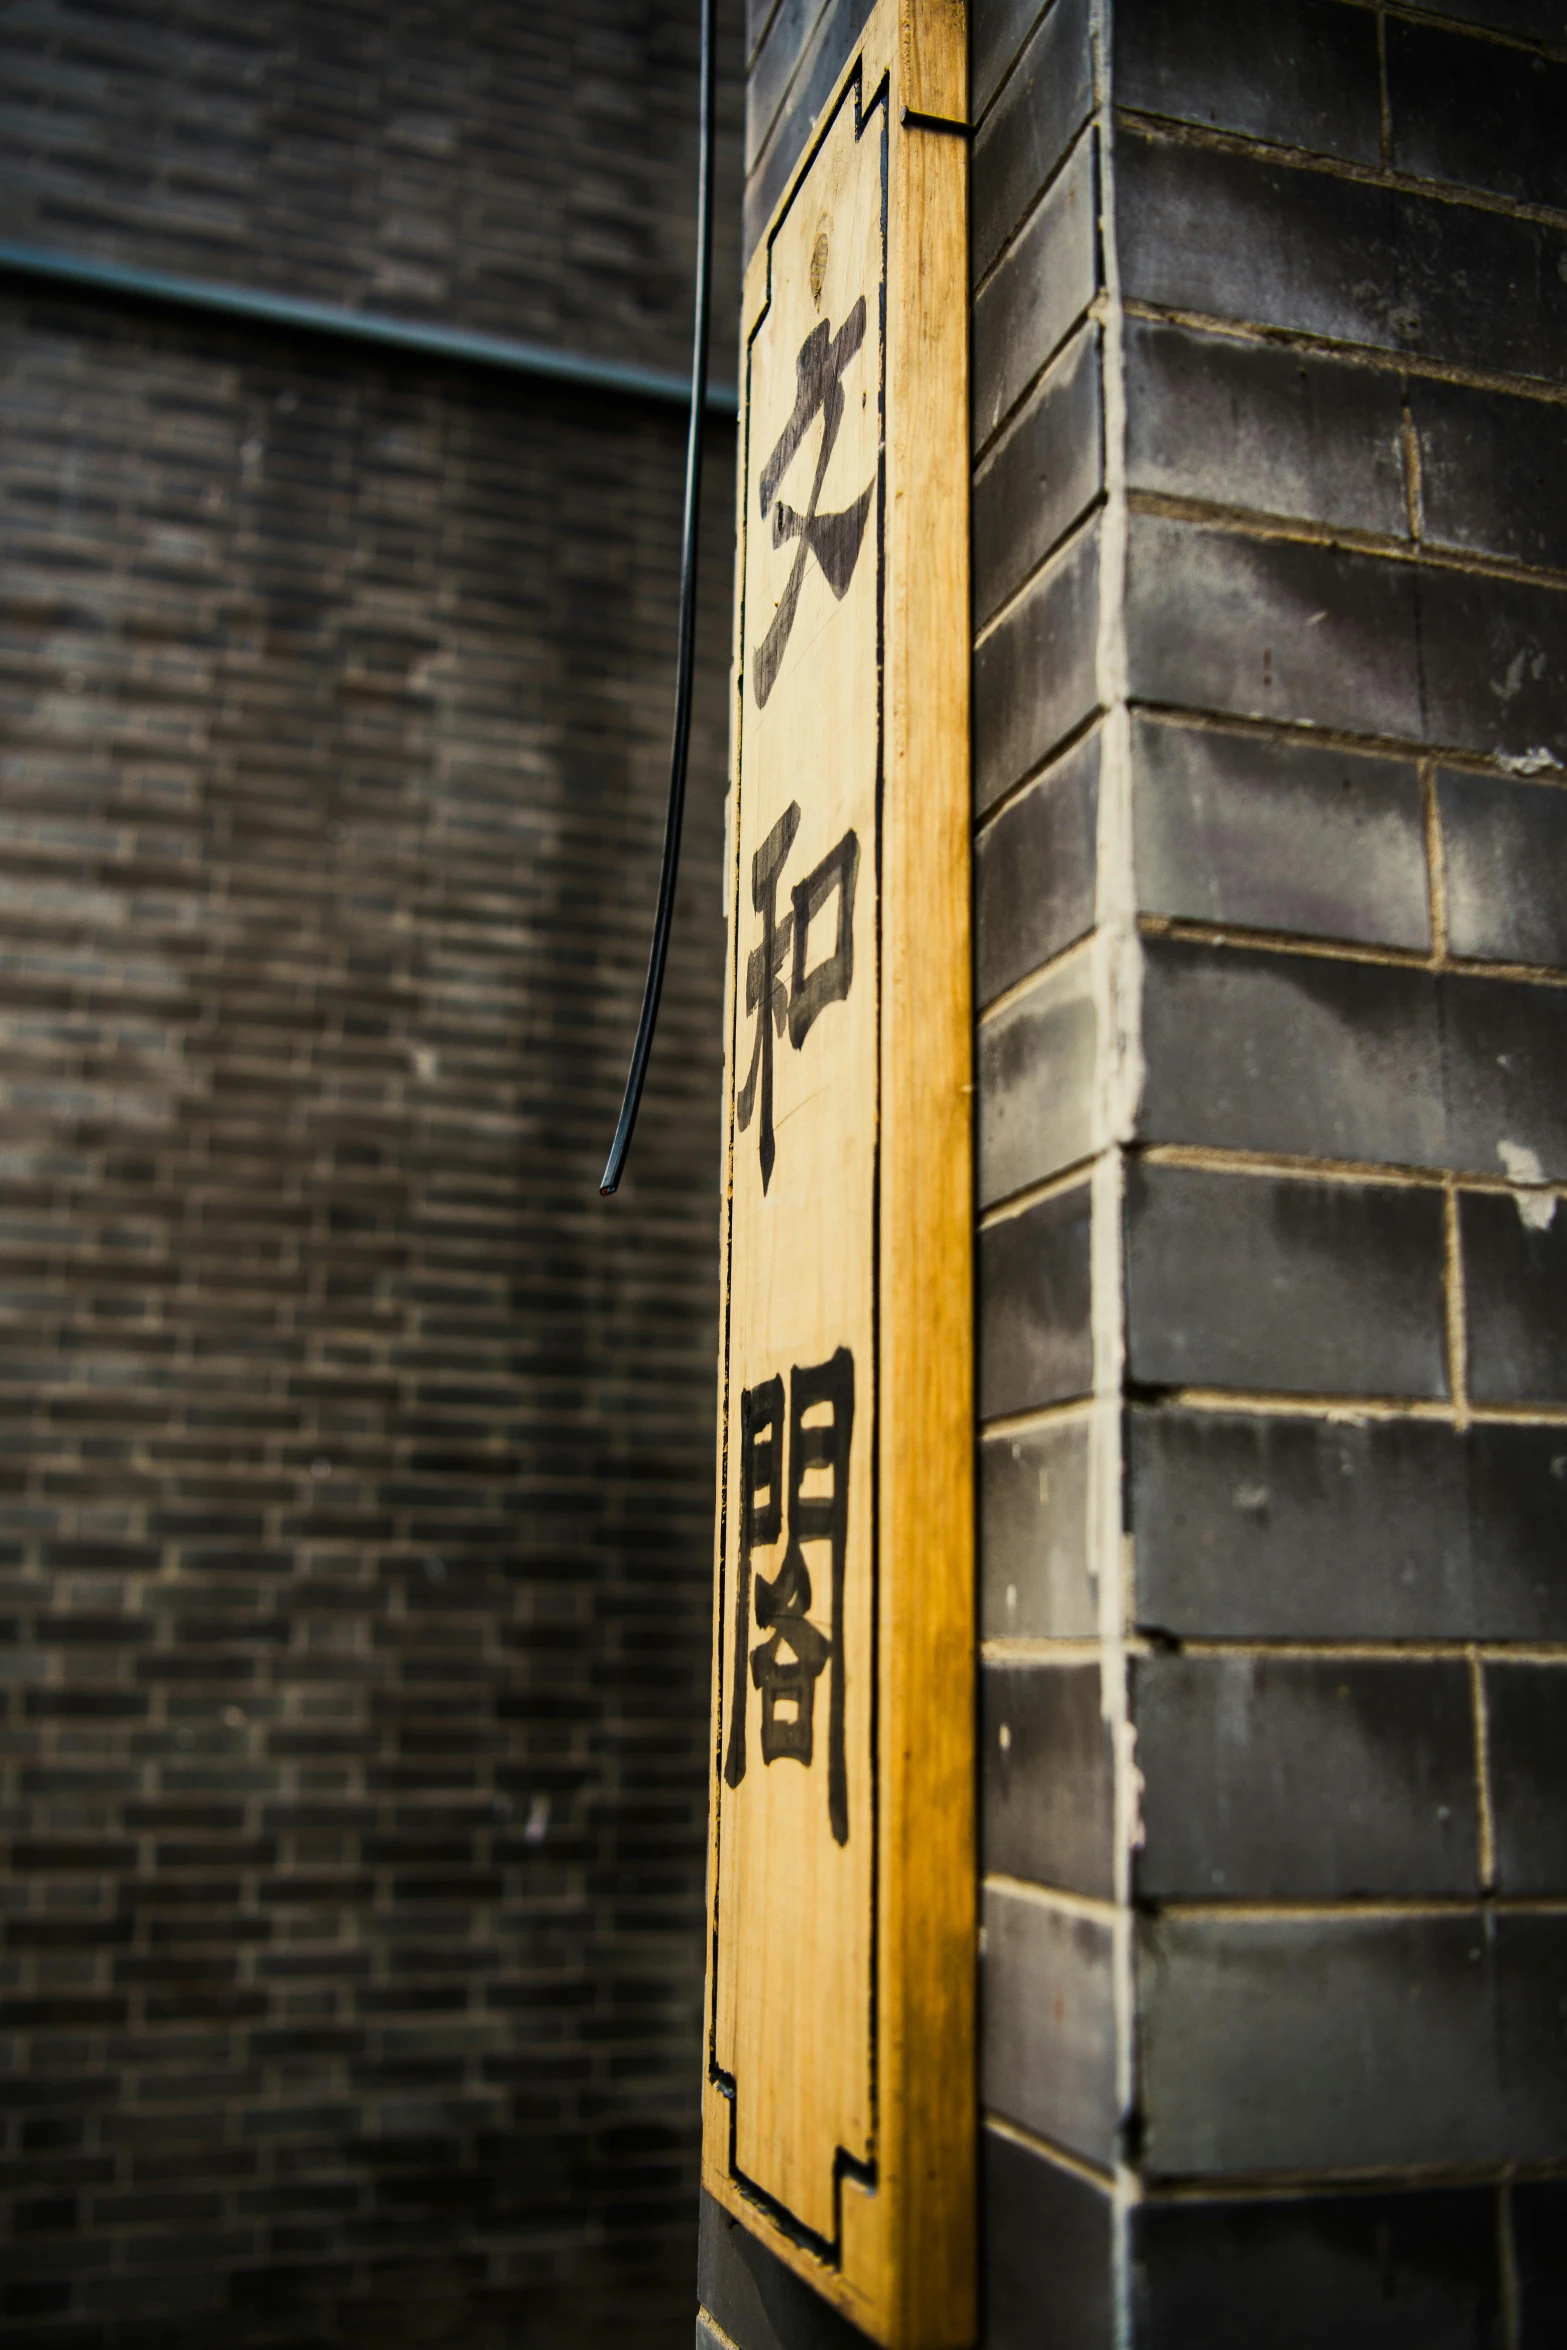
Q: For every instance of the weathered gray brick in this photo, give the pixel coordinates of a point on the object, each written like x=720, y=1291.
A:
x=1256, y=833
x=1301, y=74
x=1036, y=1090
x=1515, y=1292
x=1035, y=297
x=1045, y=103
x=1244, y=424
x=1352, y=1274
x=1035, y=1336
x=1036, y=675
x=1047, y=2049
x=1047, y=1802
x=1268, y=1527
x=1477, y=113
x=1400, y=2269
x=1526, y=1724
x=1035, y=870
x=1298, y=1055
x=1307, y=634
x=1041, y=477
x=1305, y=2043
x=1235, y=236
x=1272, y=1777
x=1491, y=476
x=1033, y=1515
x=1047, y=2234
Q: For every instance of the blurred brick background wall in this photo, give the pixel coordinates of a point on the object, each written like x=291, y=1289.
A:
x=355, y=1459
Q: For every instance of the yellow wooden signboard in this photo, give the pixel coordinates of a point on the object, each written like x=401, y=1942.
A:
x=839, y=2100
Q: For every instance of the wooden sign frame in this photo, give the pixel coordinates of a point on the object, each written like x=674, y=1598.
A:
x=839, y=2103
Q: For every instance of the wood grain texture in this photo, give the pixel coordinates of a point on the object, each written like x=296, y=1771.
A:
x=839, y=2103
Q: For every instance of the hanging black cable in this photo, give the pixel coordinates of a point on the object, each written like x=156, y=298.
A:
x=682, y=739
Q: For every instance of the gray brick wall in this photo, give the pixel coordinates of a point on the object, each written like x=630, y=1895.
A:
x=355, y=1507
x=521, y=171
x=1270, y=318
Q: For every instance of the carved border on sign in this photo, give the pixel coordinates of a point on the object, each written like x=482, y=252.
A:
x=845, y=2165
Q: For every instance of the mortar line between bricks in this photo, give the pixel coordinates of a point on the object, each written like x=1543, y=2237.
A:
x=1085, y=130
x=1018, y=1203
x=1241, y=1911
x=1053, y=757
x=1268, y=2186
x=1014, y=994
x=1094, y=309
x=1507, y=2247
x=1285, y=942
x=756, y=47
x=1005, y=610
x=1083, y=1905
x=1414, y=479
x=985, y=626
x=1000, y=1649
x=1351, y=1409
x=772, y=140
x=1048, y=2148
x=1303, y=734
x=1049, y=1415
x=1023, y=40
x=1485, y=1822
x=1266, y=529
x=1540, y=1652
x=1487, y=36
x=1186, y=932
x=1091, y=1651
x=1213, y=1159
x=1377, y=356
x=1455, y=1315
x=1171, y=131
x=1436, y=864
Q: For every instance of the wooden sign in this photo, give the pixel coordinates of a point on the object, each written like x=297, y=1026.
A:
x=839, y=2103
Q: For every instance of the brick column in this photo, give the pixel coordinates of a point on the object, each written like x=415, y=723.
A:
x=1270, y=545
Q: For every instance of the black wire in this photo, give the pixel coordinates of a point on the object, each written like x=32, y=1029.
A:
x=658, y=956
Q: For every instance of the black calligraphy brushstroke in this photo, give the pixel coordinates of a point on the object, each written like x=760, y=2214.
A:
x=825, y=1518
x=834, y=539
x=765, y=994
x=810, y=992
x=785, y=1668
x=761, y=1470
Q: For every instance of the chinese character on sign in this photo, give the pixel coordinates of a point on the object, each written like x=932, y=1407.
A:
x=809, y=992
x=786, y=1667
x=834, y=539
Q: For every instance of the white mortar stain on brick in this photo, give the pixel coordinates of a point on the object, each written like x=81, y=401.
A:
x=1536, y=1206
